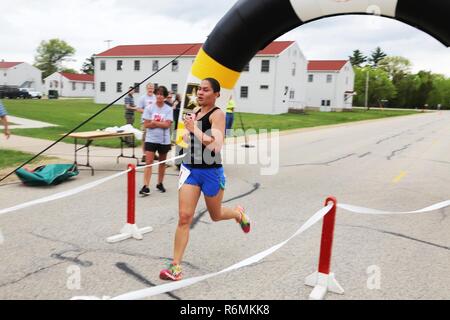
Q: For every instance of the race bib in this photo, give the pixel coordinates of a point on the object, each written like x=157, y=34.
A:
x=184, y=174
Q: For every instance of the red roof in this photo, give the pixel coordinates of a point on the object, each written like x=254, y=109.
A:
x=78, y=77
x=176, y=49
x=7, y=65
x=326, y=65
x=276, y=47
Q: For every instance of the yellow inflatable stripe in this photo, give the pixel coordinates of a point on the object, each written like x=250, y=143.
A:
x=204, y=66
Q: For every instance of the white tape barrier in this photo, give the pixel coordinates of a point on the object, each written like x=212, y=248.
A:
x=63, y=194
x=158, y=163
x=79, y=189
x=364, y=210
x=144, y=293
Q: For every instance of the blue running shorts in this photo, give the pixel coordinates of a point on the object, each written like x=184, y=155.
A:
x=210, y=180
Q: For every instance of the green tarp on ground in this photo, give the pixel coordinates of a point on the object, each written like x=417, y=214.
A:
x=47, y=174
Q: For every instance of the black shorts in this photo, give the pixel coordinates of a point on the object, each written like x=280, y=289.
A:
x=161, y=148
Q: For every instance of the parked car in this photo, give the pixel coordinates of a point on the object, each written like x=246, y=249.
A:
x=11, y=92
x=53, y=94
x=31, y=93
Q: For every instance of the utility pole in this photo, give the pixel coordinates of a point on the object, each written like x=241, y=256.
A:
x=108, y=41
x=367, y=90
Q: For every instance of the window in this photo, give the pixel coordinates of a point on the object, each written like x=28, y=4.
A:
x=293, y=69
x=102, y=65
x=119, y=87
x=292, y=94
x=326, y=103
x=175, y=65
x=244, y=92
x=155, y=66
x=265, y=65
x=246, y=67
x=119, y=65
x=174, y=88
x=136, y=87
x=137, y=65
x=84, y=86
x=51, y=84
x=56, y=84
x=310, y=77
x=74, y=86
x=102, y=86
x=93, y=86
x=329, y=78
x=264, y=87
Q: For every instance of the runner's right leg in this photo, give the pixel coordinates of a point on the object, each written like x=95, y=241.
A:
x=187, y=202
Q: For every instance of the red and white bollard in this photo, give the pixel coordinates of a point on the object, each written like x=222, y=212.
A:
x=322, y=280
x=130, y=230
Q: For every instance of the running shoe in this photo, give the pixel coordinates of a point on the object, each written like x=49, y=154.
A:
x=160, y=187
x=245, y=220
x=145, y=191
x=173, y=273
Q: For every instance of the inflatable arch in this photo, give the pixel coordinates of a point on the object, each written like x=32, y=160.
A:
x=250, y=25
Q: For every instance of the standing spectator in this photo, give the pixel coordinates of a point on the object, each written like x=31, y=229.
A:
x=145, y=101
x=176, y=111
x=169, y=99
x=158, y=119
x=230, y=115
x=4, y=119
x=130, y=108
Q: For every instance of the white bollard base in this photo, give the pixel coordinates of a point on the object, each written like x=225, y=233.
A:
x=322, y=283
x=129, y=231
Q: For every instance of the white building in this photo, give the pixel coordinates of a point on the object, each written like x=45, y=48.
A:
x=20, y=74
x=330, y=85
x=273, y=81
x=71, y=85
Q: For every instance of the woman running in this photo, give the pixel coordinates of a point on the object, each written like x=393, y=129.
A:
x=202, y=171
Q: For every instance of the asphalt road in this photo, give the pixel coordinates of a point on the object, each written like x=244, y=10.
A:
x=396, y=164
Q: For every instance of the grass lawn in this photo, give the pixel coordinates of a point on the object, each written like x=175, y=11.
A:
x=12, y=158
x=69, y=113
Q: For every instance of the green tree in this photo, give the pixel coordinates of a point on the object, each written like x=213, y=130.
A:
x=357, y=59
x=376, y=56
x=440, y=94
x=406, y=91
x=50, y=55
x=68, y=70
x=88, y=65
x=397, y=67
x=380, y=86
x=425, y=87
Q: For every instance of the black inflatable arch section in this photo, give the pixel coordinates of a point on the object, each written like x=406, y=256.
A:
x=250, y=25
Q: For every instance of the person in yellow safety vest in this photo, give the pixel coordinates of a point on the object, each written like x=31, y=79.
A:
x=230, y=115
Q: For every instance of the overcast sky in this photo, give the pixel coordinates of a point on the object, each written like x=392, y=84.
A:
x=86, y=24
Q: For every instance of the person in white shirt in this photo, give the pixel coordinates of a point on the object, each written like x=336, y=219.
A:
x=145, y=101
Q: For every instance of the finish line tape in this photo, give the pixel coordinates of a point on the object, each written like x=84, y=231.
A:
x=63, y=194
x=363, y=210
x=148, y=292
x=76, y=190
x=160, y=162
